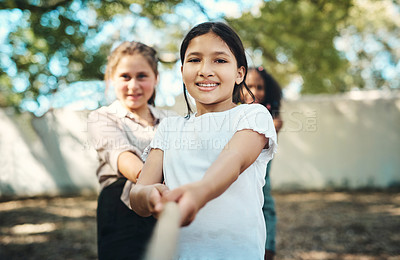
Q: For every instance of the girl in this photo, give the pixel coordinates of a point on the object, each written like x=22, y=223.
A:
x=213, y=162
x=120, y=132
x=267, y=92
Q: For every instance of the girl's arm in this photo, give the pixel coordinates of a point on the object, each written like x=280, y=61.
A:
x=278, y=123
x=240, y=152
x=105, y=132
x=145, y=196
x=129, y=165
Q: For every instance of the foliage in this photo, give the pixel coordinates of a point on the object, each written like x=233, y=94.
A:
x=378, y=62
x=66, y=34
x=299, y=38
x=324, y=46
x=296, y=37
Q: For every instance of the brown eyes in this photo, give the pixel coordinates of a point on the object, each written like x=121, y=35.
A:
x=216, y=61
x=141, y=76
x=127, y=77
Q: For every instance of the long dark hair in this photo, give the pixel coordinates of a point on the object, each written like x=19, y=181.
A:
x=230, y=37
x=272, y=89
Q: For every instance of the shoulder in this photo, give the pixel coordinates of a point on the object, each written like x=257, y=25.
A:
x=161, y=113
x=251, y=109
x=255, y=117
x=95, y=114
x=106, y=112
x=255, y=107
x=172, y=123
x=173, y=119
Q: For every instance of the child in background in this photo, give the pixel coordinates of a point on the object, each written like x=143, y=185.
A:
x=268, y=93
x=120, y=132
x=212, y=162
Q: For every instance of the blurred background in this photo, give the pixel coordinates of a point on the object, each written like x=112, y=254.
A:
x=338, y=63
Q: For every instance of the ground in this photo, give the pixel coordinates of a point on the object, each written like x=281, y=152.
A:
x=311, y=225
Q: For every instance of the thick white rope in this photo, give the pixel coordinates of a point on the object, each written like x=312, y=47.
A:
x=163, y=243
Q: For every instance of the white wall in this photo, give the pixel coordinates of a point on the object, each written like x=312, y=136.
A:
x=344, y=141
x=47, y=155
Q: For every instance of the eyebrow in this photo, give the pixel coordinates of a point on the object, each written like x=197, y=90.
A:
x=214, y=53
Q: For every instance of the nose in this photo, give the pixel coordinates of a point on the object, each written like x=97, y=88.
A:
x=206, y=69
x=133, y=84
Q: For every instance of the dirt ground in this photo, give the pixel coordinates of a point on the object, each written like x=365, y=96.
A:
x=312, y=225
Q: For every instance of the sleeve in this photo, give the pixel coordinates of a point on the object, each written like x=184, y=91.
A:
x=257, y=118
x=159, y=140
x=108, y=138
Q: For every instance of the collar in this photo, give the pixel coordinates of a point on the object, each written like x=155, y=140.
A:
x=122, y=112
x=117, y=108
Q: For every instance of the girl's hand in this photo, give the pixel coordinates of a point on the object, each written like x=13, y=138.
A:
x=190, y=199
x=154, y=198
x=146, y=199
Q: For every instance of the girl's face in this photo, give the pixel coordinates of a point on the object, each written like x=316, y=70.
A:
x=134, y=81
x=256, y=85
x=210, y=72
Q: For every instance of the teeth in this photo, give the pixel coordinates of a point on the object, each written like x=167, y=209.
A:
x=207, y=85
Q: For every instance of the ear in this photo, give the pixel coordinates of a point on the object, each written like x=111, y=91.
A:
x=181, y=69
x=240, y=75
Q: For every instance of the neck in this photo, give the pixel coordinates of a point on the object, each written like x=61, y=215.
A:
x=143, y=115
x=218, y=107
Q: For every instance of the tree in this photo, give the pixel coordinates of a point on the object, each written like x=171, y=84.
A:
x=370, y=40
x=57, y=42
x=301, y=37
x=296, y=37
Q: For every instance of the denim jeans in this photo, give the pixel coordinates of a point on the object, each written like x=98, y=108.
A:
x=269, y=212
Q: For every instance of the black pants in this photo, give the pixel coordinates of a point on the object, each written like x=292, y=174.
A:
x=121, y=233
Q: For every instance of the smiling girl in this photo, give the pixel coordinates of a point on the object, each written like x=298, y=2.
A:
x=212, y=162
x=120, y=132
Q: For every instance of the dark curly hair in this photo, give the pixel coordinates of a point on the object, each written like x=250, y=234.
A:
x=273, y=91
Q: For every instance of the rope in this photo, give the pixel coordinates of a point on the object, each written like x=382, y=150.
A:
x=163, y=243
